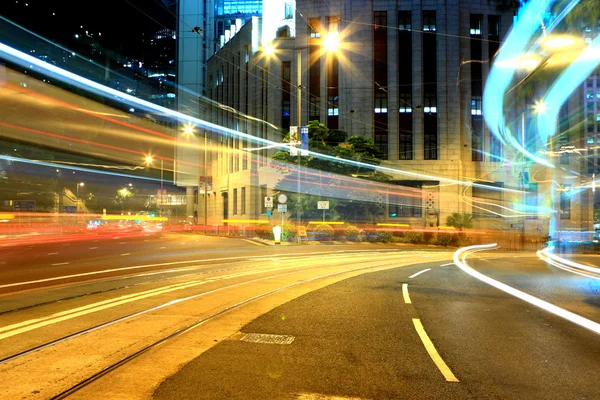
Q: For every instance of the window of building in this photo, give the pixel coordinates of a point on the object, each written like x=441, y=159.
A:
x=475, y=26
x=380, y=19
x=243, y=201
x=332, y=106
x=245, y=154
x=590, y=128
x=381, y=102
x=564, y=158
x=531, y=200
x=404, y=21
x=565, y=202
x=476, y=105
x=430, y=105
x=429, y=21
x=489, y=193
x=333, y=23
x=476, y=138
x=314, y=27
x=289, y=11
x=235, y=202
x=495, y=148
x=408, y=205
x=261, y=200
x=405, y=103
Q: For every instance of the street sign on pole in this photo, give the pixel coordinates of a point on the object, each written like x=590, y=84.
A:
x=282, y=208
x=282, y=199
x=24, y=206
x=304, y=141
x=268, y=202
x=293, y=140
x=323, y=205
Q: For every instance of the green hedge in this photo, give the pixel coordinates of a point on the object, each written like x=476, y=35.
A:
x=320, y=232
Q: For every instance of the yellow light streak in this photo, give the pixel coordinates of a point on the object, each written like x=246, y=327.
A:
x=246, y=221
x=400, y=225
x=325, y=223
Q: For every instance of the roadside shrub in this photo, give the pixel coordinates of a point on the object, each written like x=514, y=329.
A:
x=352, y=233
x=444, y=239
x=461, y=239
x=288, y=233
x=414, y=237
x=385, y=236
x=428, y=237
x=398, y=234
x=320, y=232
x=264, y=232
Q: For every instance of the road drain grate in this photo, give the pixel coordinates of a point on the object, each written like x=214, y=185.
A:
x=267, y=339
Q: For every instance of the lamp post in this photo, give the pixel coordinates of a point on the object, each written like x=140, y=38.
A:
x=149, y=160
x=80, y=184
x=330, y=44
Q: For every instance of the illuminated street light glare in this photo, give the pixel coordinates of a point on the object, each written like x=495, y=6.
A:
x=124, y=192
x=268, y=49
x=149, y=159
x=331, y=42
x=188, y=129
x=81, y=184
x=540, y=107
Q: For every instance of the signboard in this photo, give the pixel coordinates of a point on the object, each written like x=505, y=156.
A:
x=69, y=209
x=517, y=226
x=269, y=212
x=323, y=205
x=24, y=205
x=304, y=140
x=282, y=199
x=293, y=140
x=268, y=202
x=302, y=231
x=282, y=208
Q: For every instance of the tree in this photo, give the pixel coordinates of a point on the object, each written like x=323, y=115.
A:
x=460, y=221
x=317, y=186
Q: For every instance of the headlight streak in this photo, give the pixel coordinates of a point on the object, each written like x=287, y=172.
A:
x=460, y=260
x=28, y=61
x=564, y=86
x=553, y=257
x=69, y=167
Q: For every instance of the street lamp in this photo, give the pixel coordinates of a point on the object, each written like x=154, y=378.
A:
x=149, y=160
x=80, y=184
x=330, y=43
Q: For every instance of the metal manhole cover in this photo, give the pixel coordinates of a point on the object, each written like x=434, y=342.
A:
x=267, y=338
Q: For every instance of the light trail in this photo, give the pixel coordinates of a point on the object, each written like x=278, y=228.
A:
x=460, y=260
x=27, y=61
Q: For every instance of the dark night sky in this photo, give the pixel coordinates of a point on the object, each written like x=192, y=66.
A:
x=122, y=25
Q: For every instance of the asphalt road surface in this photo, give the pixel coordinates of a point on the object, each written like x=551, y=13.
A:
x=357, y=339
x=221, y=318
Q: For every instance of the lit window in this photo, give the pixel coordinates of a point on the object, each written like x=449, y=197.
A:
x=381, y=102
x=475, y=29
x=429, y=21
x=333, y=24
x=314, y=27
x=476, y=105
x=590, y=140
x=404, y=21
x=405, y=103
x=430, y=105
x=332, y=106
x=289, y=11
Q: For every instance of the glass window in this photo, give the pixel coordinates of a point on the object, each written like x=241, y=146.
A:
x=381, y=102
x=430, y=105
x=429, y=21
x=404, y=21
x=314, y=27
x=243, y=201
x=565, y=202
x=476, y=105
x=333, y=24
x=405, y=103
x=475, y=27
x=490, y=193
x=332, y=106
x=289, y=11
x=235, y=202
x=406, y=204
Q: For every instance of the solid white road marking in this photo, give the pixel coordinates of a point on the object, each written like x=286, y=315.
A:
x=52, y=254
x=163, y=248
x=65, y=263
x=93, y=248
x=445, y=265
x=405, y=293
x=433, y=353
x=126, y=254
x=577, y=319
x=420, y=272
x=201, y=262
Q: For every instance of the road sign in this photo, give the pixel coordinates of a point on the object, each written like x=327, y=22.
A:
x=269, y=213
x=323, y=205
x=304, y=140
x=282, y=199
x=268, y=202
x=24, y=205
x=302, y=231
x=282, y=208
x=293, y=140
